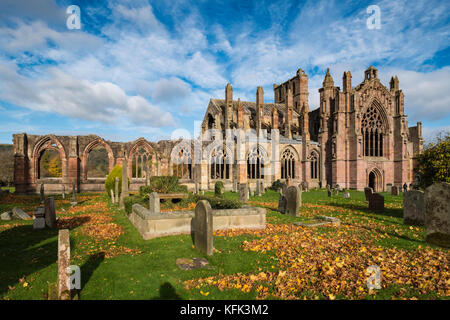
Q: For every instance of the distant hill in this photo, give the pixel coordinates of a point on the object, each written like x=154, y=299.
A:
x=6, y=164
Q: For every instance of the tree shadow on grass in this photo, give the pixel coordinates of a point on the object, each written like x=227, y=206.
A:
x=167, y=292
x=389, y=212
x=88, y=268
x=21, y=255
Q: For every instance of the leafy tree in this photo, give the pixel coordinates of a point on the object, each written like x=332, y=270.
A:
x=54, y=167
x=434, y=162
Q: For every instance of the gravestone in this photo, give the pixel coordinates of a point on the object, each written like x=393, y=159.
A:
x=346, y=195
x=124, y=193
x=18, y=213
x=376, y=203
x=6, y=216
x=203, y=227
x=282, y=203
x=154, y=204
x=74, y=198
x=63, y=264
x=113, y=199
x=437, y=214
x=243, y=193
x=336, y=189
x=116, y=190
x=389, y=188
x=414, y=208
x=191, y=264
x=42, y=193
x=39, y=218
x=293, y=201
x=50, y=214
x=368, y=193
x=63, y=194
x=305, y=186
x=394, y=191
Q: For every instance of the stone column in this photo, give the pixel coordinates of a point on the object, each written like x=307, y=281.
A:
x=124, y=183
x=63, y=265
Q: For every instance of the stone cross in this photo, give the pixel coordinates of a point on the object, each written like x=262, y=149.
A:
x=293, y=201
x=116, y=190
x=243, y=193
x=414, y=208
x=63, y=265
x=42, y=193
x=154, y=204
x=50, y=214
x=437, y=214
x=203, y=227
x=376, y=203
x=74, y=198
x=124, y=183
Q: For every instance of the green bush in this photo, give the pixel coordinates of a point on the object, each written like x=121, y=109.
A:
x=276, y=185
x=162, y=184
x=219, y=203
x=110, y=180
x=219, y=189
x=129, y=201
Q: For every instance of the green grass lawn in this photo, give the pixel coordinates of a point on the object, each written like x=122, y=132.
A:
x=282, y=262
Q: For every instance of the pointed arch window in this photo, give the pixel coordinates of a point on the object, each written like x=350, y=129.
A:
x=219, y=164
x=255, y=164
x=372, y=130
x=287, y=164
x=314, y=157
x=182, y=167
x=141, y=163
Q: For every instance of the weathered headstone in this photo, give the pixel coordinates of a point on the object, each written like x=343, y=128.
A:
x=124, y=193
x=113, y=198
x=305, y=186
x=154, y=204
x=414, y=208
x=368, y=193
x=18, y=213
x=42, y=193
x=293, y=201
x=376, y=203
x=437, y=214
x=116, y=190
x=389, y=187
x=243, y=193
x=63, y=193
x=394, y=191
x=6, y=216
x=74, y=197
x=203, y=227
x=282, y=204
x=39, y=218
x=346, y=195
x=63, y=264
x=50, y=214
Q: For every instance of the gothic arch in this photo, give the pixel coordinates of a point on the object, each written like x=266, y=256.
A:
x=374, y=127
x=314, y=158
x=256, y=160
x=375, y=179
x=149, y=153
x=289, y=160
x=220, y=161
x=48, y=142
x=181, y=160
x=90, y=146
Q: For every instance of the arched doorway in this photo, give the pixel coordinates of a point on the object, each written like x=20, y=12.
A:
x=375, y=180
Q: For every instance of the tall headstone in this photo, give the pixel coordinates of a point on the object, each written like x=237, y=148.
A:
x=282, y=203
x=414, y=208
x=203, y=227
x=39, y=218
x=63, y=193
x=394, y=191
x=63, y=265
x=437, y=214
x=376, y=203
x=50, y=213
x=74, y=198
x=293, y=201
x=368, y=193
x=243, y=193
x=42, y=193
x=116, y=190
x=154, y=204
x=124, y=193
x=389, y=188
x=113, y=198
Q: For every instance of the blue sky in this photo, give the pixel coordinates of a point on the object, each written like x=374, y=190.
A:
x=148, y=68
